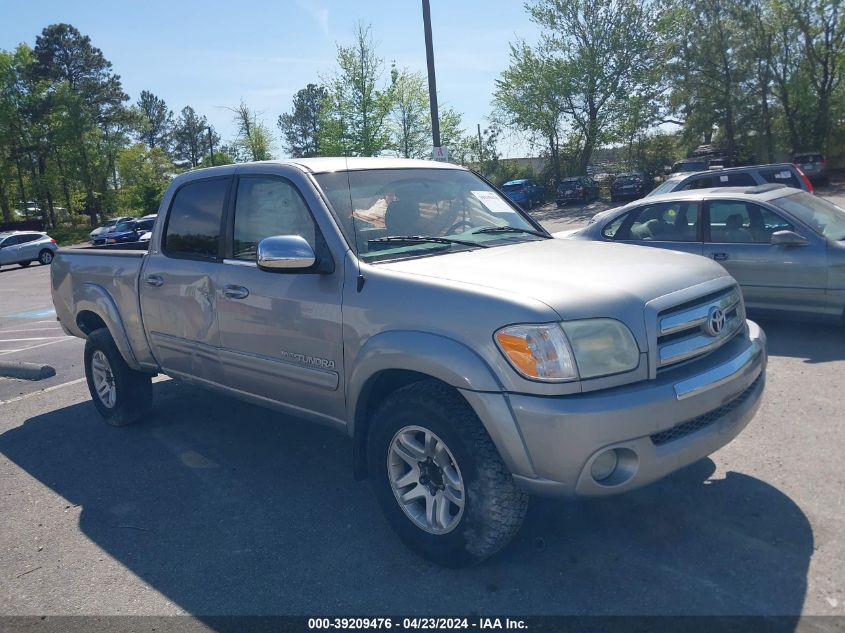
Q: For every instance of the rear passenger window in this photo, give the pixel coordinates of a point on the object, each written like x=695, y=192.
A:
x=742, y=179
x=704, y=182
x=781, y=177
x=193, y=226
x=266, y=207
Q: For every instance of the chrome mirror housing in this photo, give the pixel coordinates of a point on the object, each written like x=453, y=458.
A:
x=285, y=253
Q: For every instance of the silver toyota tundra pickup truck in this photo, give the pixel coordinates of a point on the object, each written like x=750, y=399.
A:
x=473, y=359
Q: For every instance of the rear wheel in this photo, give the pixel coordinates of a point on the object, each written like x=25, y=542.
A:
x=438, y=477
x=45, y=256
x=122, y=395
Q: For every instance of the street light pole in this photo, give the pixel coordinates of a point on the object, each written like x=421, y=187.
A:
x=432, y=82
x=210, y=146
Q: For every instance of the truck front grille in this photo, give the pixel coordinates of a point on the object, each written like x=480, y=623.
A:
x=697, y=327
x=691, y=426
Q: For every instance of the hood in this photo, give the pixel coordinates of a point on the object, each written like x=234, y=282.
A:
x=577, y=279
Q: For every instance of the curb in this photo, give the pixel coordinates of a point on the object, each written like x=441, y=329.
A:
x=25, y=371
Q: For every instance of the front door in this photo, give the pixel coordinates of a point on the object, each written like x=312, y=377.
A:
x=783, y=278
x=281, y=336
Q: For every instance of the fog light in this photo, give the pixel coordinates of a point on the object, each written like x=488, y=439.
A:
x=604, y=465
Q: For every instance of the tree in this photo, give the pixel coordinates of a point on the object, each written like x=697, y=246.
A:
x=144, y=174
x=821, y=24
x=411, y=117
x=92, y=99
x=302, y=128
x=254, y=142
x=529, y=97
x=357, y=121
x=191, y=137
x=155, y=121
x=601, y=51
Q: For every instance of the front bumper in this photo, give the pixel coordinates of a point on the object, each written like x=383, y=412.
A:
x=655, y=427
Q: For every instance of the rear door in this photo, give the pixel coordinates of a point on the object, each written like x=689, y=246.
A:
x=782, y=278
x=30, y=245
x=178, y=284
x=669, y=225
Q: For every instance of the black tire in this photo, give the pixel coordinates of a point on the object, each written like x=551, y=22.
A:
x=493, y=507
x=24, y=264
x=45, y=257
x=133, y=389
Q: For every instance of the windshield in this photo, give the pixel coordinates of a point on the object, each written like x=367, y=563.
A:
x=568, y=183
x=513, y=186
x=124, y=226
x=824, y=217
x=665, y=187
x=628, y=179
x=375, y=204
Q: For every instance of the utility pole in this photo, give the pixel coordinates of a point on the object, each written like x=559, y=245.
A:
x=480, y=150
x=210, y=146
x=432, y=82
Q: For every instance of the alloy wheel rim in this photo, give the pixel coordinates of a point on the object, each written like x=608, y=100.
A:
x=426, y=480
x=47, y=258
x=103, y=378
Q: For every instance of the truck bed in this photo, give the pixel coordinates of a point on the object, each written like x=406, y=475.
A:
x=105, y=277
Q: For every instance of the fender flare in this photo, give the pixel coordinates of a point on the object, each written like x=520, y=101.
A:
x=444, y=359
x=88, y=297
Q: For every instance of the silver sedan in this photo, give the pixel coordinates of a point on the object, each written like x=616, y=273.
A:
x=785, y=247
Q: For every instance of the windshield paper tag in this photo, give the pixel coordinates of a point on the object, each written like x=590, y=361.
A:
x=493, y=202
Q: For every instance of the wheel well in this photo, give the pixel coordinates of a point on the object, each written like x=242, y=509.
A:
x=375, y=390
x=89, y=321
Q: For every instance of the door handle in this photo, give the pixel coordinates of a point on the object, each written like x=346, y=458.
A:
x=720, y=257
x=154, y=280
x=236, y=292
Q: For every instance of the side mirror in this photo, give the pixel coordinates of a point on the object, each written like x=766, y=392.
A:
x=285, y=253
x=788, y=238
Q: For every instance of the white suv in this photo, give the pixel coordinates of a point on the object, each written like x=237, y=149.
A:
x=25, y=247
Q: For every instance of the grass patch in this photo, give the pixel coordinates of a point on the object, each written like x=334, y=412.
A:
x=67, y=236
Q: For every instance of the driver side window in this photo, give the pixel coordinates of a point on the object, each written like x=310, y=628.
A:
x=265, y=207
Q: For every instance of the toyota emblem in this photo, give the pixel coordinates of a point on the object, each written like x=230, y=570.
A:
x=715, y=322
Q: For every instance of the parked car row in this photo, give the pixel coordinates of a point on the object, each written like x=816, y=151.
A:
x=126, y=230
x=525, y=192
x=25, y=247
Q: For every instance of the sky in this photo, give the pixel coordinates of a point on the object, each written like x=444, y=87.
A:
x=212, y=54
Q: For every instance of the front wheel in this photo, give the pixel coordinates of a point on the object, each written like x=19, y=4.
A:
x=121, y=394
x=438, y=476
x=45, y=256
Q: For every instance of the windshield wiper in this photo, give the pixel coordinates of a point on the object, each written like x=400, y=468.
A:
x=426, y=238
x=510, y=229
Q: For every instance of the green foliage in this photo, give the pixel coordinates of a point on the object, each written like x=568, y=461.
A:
x=302, y=128
x=144, y=175
x=154, y=120
x=356, y=122
x=193, y=138
x=255, y=141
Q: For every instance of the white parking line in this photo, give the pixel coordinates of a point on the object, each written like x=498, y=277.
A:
x=33, y=329
x=33, y=338
x=35, y=393
x=26, y=349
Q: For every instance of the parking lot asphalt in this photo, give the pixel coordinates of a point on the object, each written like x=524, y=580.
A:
x=213, y=507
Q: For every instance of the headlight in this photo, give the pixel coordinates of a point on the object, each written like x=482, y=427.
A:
x=538, y=352
x=602, y=347
x=588, y=349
